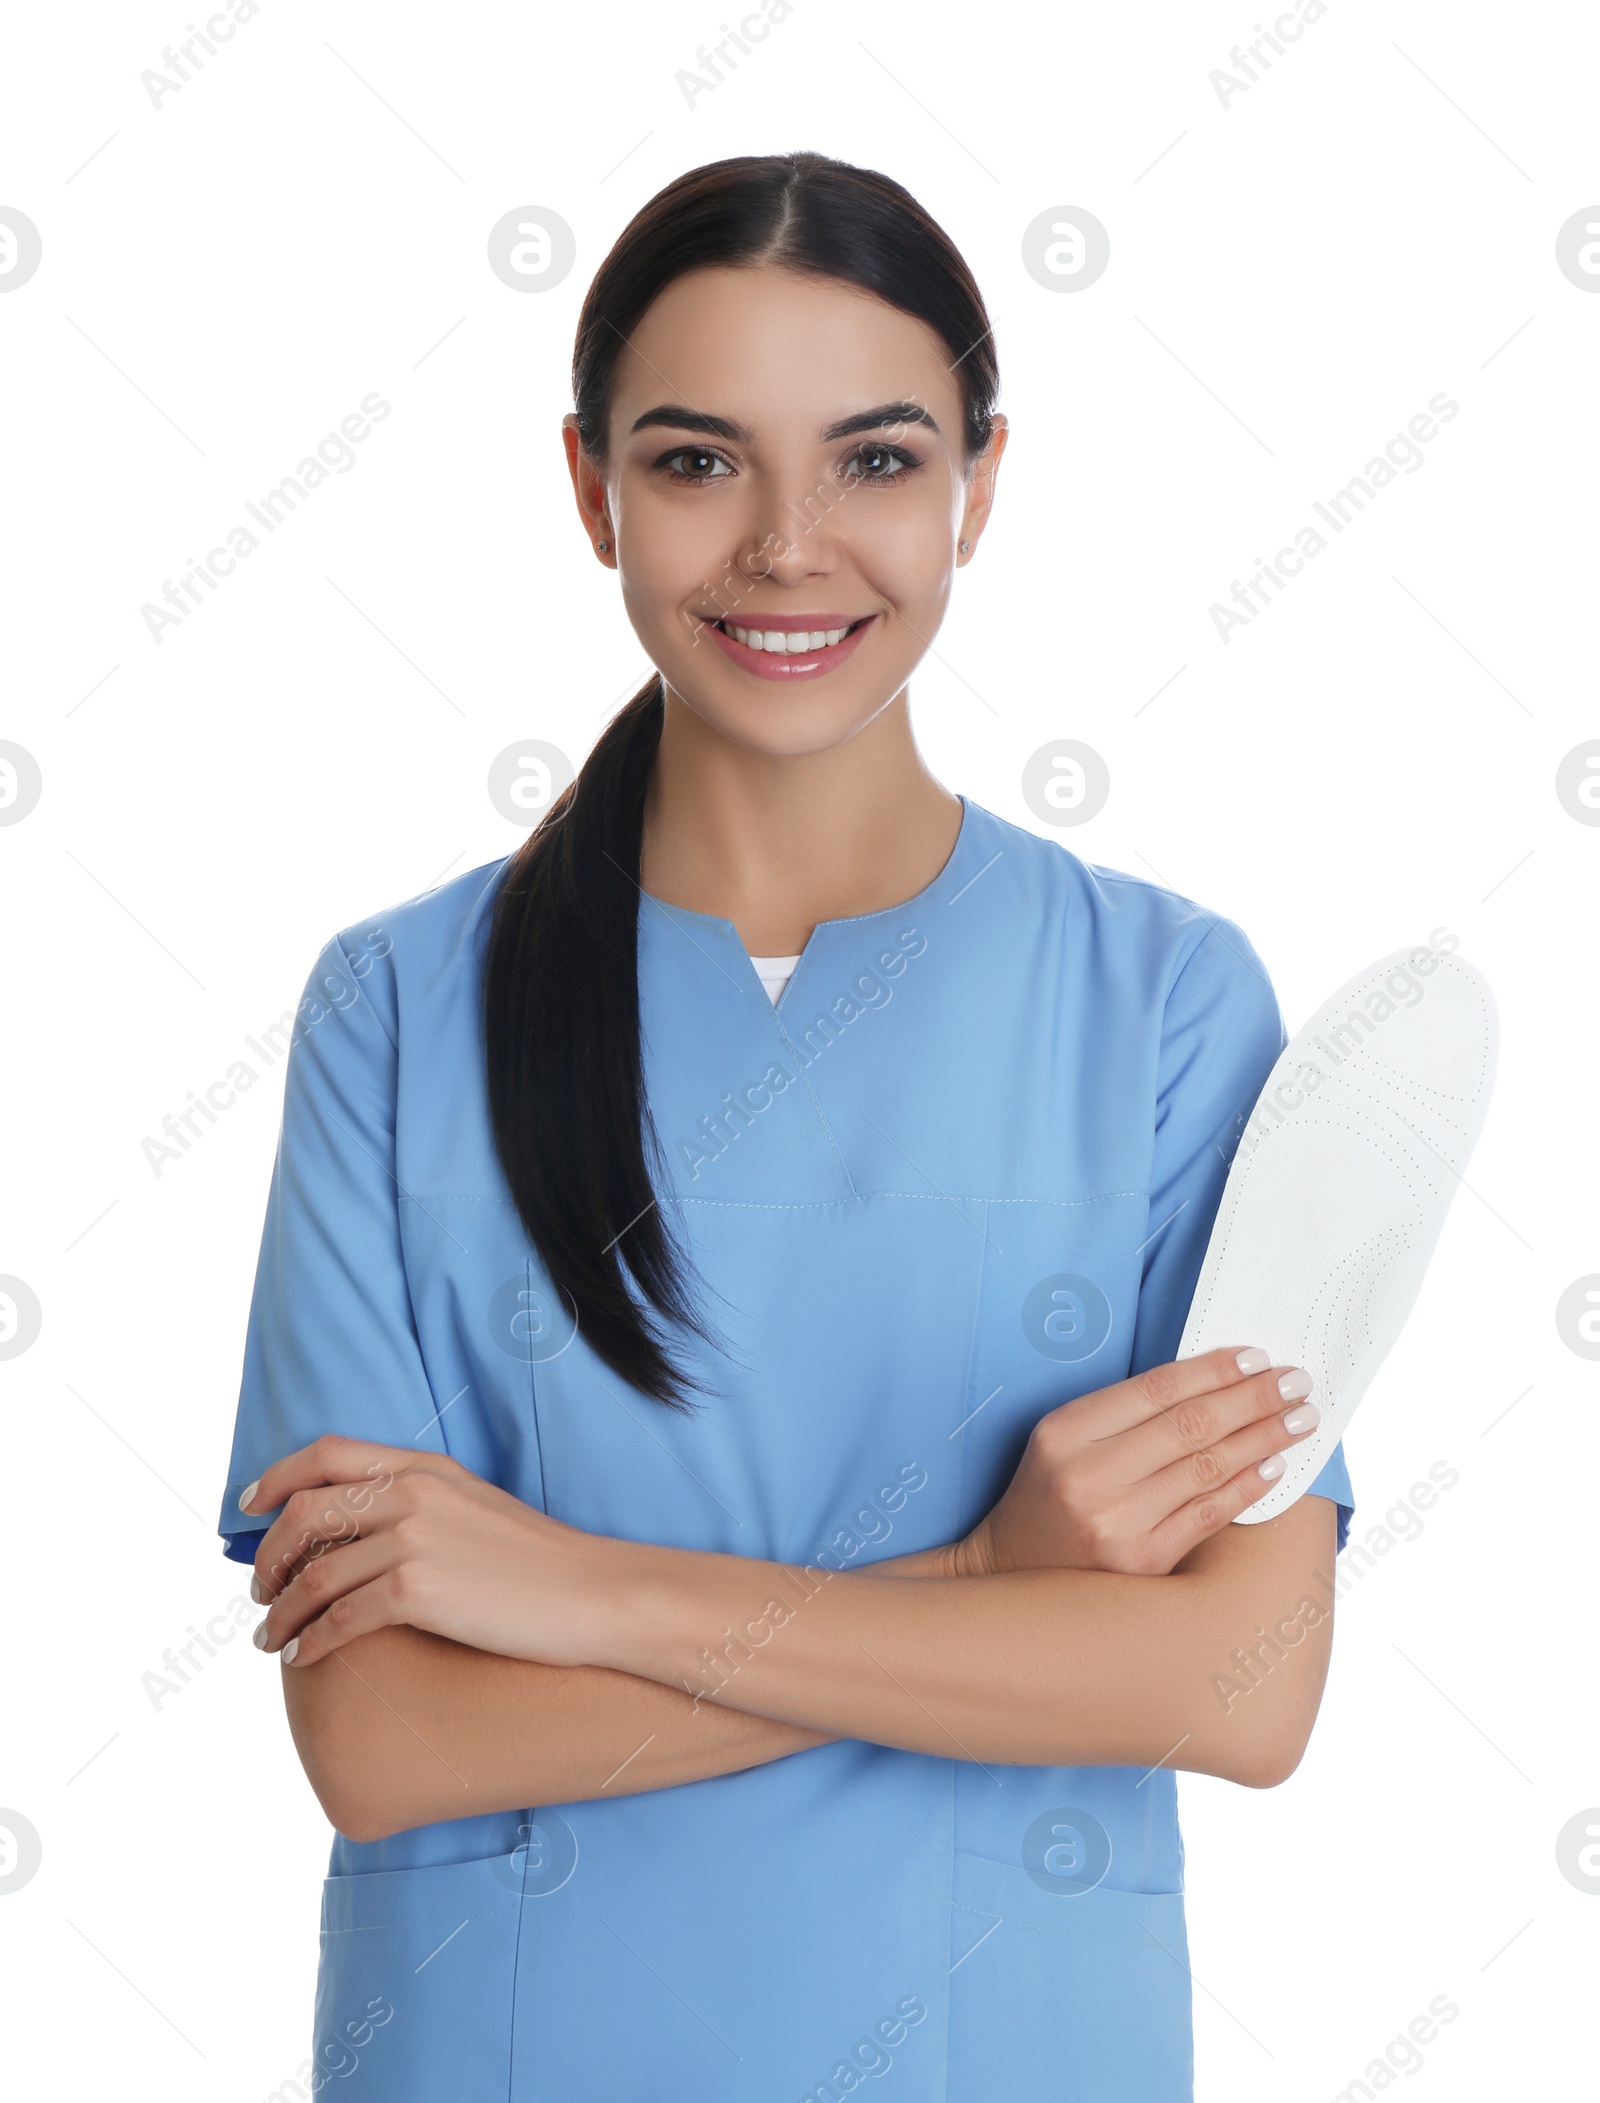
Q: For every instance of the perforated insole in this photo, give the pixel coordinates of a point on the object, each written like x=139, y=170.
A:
x=1340, y=1184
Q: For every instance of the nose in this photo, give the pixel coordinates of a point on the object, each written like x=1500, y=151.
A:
x=792, y=535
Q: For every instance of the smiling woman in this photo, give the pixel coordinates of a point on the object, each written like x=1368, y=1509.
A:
x=544, y=1433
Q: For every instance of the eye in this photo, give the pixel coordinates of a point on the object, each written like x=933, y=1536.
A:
x=693, y=463
x=877, y=462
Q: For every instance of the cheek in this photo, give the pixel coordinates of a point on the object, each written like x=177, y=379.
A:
x=673, y=551
x=660, y=577
x=901, y=544
x=648, y=599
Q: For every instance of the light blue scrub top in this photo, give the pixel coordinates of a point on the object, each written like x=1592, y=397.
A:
x=964, y=1172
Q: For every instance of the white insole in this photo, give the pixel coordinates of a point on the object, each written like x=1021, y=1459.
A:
x=1340, y=1185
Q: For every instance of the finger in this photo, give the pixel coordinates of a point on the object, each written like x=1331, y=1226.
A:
x=1206, y=1515
x=313, y=1521
x=1206, y=1470
x=357, y=1613
x=1201, y=1421
x=1153, y=1393
x=317, y=1584
x=331, y=1458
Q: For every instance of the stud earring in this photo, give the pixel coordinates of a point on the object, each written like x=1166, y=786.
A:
x=602, y=545
x=966, y=546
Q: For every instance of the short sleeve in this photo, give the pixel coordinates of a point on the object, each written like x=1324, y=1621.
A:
x=331, y=1341
x=1221, y=1033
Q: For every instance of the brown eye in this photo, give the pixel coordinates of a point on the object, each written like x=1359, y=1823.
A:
x=693, y=463
x=879, y=463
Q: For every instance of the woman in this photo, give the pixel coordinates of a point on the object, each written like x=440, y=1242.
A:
x=743, y=1414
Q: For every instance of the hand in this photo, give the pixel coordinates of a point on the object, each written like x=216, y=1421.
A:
x=372, y=1535
x=1133, y=1476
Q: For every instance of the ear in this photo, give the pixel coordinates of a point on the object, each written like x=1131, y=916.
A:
x=589, y=489
x=980, y=489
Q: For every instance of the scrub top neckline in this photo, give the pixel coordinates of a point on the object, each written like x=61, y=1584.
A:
x=930, y=894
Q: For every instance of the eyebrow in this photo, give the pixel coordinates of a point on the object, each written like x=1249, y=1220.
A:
x=673, y=418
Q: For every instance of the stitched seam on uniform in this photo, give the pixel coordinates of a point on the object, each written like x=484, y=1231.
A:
x=337, y=942
x=924, y=1196
x=1055, y=1934
x=451, y=1197
x=391, y=1169
x=516, y=1975
x=1102, y=874
x=1214, y=926
x=822, y=1115
x=673, y=1197
x=950, y=1893
x=972, y=1354
x=954, y=1798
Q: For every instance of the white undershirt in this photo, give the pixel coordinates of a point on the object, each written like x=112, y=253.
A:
x=775, y=973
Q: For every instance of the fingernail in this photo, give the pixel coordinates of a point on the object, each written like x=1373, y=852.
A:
x=1294, y=1384
x=247, y=1495
x=255, y=1588
x=1306, y=1418
x=1252, y=1361
x=258, y=1635
x=1272, y=1465
x=289, y=1649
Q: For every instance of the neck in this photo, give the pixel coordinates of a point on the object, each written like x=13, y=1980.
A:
x=776, y=843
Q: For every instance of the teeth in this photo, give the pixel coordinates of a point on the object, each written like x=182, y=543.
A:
x=787, y=642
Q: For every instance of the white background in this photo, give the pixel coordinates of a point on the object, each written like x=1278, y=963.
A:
x=1292, y=278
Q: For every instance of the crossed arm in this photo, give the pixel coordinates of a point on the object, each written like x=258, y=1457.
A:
x=454, y=1652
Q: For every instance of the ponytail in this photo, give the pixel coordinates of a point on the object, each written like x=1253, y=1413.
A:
x=561, y=986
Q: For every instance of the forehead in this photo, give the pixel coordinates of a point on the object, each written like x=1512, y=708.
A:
x=774, y=349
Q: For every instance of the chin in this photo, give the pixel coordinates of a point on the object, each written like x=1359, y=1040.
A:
x=784, y=724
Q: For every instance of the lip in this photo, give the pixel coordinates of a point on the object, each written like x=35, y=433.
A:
x=767, y=664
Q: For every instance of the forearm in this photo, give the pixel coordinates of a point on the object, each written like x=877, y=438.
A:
x=1032, y=1667
x=402, y=1729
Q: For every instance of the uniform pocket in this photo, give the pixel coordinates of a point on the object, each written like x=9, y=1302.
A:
x=1055, y=1321
x=1074, y=1995
x=416, y=1984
